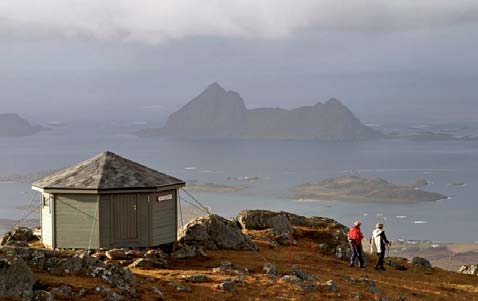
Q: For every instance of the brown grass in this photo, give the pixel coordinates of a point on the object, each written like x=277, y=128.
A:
x=415, y=283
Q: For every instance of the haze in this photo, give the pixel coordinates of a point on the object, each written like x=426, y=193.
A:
x=77, y=61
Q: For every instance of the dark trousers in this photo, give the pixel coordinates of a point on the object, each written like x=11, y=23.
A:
x=380, y=259
x=356, y=254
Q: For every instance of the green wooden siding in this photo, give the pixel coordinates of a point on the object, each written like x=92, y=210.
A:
x=105, y=221
x=153, y=222
x=75, y=222
x=163, y=219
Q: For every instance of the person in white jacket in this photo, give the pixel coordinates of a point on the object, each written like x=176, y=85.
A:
x=378, y=243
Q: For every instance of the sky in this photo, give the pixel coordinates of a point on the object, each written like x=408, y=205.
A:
x=128, y=61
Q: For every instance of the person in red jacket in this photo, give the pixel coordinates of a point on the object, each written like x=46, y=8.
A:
x=355, y=237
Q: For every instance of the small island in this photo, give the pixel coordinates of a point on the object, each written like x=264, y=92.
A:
x=213, y=187
x=12, y=125
x=365, y=190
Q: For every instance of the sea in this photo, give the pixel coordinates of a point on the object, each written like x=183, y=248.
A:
x=269, y=168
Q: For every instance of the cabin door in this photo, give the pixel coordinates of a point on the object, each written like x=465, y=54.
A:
x=124, y=217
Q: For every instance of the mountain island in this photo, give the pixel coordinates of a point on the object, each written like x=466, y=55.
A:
x=12, y=125
x=217, y=113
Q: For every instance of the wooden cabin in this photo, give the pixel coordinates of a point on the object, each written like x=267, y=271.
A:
x=108, y=202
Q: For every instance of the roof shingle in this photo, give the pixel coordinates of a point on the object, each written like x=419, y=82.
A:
x=107, y=171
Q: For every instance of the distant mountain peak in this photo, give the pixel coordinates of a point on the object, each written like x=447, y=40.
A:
x=220, y=113
x=334, y=101
x=215, y=86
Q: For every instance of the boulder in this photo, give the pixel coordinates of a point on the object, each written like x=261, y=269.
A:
x=262, y=219
x=227, y=286
x=183, y=288
x=215, y=232
x=6, y=238
x=271, y=270
x=148, y=263
x=421, y=263
x=109, y=294
x=116, y=254
x=230, y=268
x=61, y=266
x=116, y=275
x=281, y=225
x=330, y=233
x=154, y=253
x=301, y=280
x=64, y=291
x=42, y=296
x=99, y=255
x=22, y=234
x=471, y=269
x=196, y=278
x=157, y=291
x=329, y=286
x=183, y=252
x=257, y=219
x=396, y=265
x=303, y=275
x=290, y=279
x=16, y=278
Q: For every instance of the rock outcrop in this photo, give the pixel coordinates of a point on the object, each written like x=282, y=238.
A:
x=330, y=234
x=217, y=113
x=470, y=269
x=57, y=263
x=16, y=278
x=264, y=219
x=215, y=232
x=421, y=263
x=19, y=236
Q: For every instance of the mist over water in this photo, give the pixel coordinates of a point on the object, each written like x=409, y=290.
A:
x=278, y=165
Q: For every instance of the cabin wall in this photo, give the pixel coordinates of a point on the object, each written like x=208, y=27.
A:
x=110, y=220
x=47, y=219
x=163, y=217
x=76, y=221
x=105, y=221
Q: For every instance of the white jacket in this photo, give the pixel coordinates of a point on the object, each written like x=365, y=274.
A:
x=375, y=244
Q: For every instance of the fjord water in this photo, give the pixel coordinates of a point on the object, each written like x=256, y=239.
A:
x=279, y=165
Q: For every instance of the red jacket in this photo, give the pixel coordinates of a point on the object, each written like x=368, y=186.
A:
x=355, y=235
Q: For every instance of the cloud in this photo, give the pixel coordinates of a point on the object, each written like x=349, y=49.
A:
x=156, y=21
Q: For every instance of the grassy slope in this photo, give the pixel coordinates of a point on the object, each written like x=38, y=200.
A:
x=415, y=283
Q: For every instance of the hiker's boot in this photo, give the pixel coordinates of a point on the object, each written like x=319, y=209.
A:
x=351, y=265
x=382, y=268
x=376, y=268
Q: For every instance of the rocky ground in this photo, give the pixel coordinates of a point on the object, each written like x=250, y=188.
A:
x=250, y=258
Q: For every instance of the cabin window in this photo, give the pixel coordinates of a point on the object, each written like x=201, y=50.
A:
x=165, y=197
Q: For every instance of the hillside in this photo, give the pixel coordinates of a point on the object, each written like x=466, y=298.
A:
x=258, y=264
x=359, y=189
x=217, y=113
x=12, y=125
